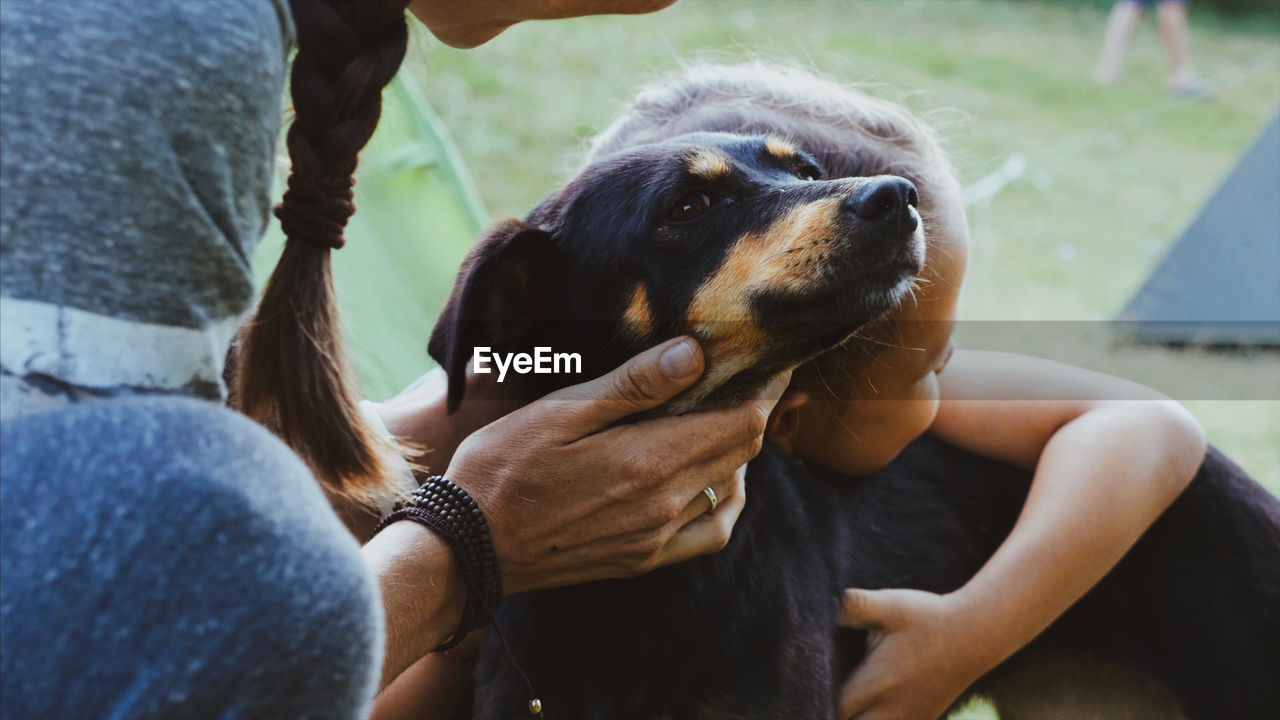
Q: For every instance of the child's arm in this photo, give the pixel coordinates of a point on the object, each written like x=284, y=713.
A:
x=1109, y=456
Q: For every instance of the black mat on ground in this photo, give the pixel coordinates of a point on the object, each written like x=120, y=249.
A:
x=1220, y=284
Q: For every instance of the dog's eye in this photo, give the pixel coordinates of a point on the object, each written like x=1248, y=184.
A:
x=808, y=173
x=689, y=207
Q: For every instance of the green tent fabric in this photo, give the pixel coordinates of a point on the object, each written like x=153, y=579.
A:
x=418, y=212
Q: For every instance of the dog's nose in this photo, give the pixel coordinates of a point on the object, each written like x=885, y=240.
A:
x=886, y=202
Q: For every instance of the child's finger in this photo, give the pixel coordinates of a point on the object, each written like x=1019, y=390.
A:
x=863, y=609
x=858, y=694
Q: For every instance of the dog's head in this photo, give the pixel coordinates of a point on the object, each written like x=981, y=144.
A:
x=736, y=240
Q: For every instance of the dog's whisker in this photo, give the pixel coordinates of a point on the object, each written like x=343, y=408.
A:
x=837, y=396
x=882, y=343
x=833, y=410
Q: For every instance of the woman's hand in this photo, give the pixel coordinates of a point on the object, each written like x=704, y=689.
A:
x=919, y=659
x=572, y=496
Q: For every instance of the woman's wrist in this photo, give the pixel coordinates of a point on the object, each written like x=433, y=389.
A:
x=453, y=515
x=423, y=592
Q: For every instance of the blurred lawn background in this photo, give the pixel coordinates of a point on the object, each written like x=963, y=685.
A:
x=1112, y=175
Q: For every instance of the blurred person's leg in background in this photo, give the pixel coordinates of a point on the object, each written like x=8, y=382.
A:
x=1171, y=16
x=1121, y=24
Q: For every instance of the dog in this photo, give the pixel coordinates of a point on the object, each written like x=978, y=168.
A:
x=740, y=241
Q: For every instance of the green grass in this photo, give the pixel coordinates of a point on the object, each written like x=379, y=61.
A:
x=1113, y=174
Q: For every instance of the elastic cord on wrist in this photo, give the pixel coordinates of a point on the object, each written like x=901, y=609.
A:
x=454, y=516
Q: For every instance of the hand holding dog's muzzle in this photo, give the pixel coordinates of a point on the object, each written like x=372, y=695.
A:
x=572, y=495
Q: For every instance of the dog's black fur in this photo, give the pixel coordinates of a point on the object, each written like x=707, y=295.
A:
x=1192, y=612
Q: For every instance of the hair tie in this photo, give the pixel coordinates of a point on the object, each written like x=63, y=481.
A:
x=316, y=209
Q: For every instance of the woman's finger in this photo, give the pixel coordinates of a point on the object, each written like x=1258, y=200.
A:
x=721, y=475
x=701, y=503
x=735, y=432
x=709, y=532
x=642, y=383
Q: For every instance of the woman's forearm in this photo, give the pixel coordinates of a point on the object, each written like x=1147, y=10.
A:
x=1100, y=482
x=422, y=593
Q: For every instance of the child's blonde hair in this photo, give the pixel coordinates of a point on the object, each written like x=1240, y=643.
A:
x=756, y=97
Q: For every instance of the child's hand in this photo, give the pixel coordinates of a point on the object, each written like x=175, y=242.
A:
x=920, y=655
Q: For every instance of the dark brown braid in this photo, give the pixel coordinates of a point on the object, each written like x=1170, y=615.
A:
x=293, y=373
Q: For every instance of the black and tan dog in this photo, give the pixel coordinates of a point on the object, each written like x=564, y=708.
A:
x=728, y=238
x=738, y=241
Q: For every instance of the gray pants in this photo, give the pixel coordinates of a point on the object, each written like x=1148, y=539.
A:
x=167, y=558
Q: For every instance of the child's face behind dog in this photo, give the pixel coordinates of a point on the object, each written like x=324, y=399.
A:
x=735, y=240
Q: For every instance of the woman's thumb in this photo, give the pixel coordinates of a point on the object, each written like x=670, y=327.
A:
x=864, y=609
x=642, y=383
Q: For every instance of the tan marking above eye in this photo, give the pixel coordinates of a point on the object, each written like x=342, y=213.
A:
x=638, y=317
x=708, y=164
x=781, y=147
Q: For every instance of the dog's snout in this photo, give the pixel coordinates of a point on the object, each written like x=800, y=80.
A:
x=886, y=202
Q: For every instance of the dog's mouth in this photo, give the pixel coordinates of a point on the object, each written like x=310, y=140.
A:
x=847, y=291
x=790, y=329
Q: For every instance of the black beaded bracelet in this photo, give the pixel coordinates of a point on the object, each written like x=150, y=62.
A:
x=452, y=514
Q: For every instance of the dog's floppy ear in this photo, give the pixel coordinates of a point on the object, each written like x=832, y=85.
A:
x=511, y=279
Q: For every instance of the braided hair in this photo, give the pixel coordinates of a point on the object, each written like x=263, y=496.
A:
x=292, y=374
